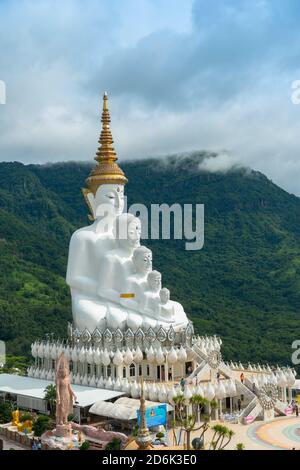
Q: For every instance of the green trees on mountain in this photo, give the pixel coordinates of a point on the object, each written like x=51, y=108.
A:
x=243, y=285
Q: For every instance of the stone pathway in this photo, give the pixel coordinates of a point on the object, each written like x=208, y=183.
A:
x=12, y=444
x=282, y=433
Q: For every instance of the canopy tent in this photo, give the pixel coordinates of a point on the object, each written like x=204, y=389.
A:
x=296, y=385
x=124, y=408
x=35, y=389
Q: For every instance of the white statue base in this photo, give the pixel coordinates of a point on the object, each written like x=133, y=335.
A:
x=63, y=430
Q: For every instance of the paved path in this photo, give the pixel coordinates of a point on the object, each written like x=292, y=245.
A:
x=282, y=433
x=12, y=444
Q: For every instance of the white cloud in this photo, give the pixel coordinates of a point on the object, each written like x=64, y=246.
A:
x=221, y=163
x=222, y=84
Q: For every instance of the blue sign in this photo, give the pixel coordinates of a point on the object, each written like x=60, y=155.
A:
x=155, y=415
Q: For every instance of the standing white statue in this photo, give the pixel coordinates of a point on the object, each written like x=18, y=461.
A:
x=110, y=275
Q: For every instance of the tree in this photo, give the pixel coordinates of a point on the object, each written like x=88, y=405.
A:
x=50, y=397
x=220, y=434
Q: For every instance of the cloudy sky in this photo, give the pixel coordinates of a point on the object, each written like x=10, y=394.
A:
x=181, y=75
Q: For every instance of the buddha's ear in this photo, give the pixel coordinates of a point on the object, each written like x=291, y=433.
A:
x=90, y=202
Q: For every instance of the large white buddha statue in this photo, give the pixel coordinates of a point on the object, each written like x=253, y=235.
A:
x=110, y=275
x=104, y=196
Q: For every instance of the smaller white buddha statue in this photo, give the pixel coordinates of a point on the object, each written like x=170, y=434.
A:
x=116, y=267
x=151, y=298
x=166, y=307
x=137, y=282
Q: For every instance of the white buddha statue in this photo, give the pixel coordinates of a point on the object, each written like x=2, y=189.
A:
x=110, y=275
x=165, y=307
x=151, y=294
x=137, y=282
x=116, y=267
x=105, y=199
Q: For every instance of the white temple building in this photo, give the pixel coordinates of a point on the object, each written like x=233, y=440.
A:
x=126, y=325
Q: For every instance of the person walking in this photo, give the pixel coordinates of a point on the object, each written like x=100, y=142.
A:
x=239, y=405
x=297, y=410
x=242, y=377
x=182, y=384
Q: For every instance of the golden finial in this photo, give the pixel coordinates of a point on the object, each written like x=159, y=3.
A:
x=107, y=171
x=143, y=438
x=106, y=150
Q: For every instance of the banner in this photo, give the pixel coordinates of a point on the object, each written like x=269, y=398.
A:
x=155, y=416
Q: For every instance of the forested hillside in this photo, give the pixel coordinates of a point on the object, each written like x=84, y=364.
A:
x=243, y=285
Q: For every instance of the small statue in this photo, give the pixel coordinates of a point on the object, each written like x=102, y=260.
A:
x=15, y=417
x=64, y=392
x=151, y=294
x=166, y=309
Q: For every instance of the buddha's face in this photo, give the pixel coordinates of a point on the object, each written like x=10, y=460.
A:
x=142, y=259
x=134, y=233
x=128, y=231
x=109, y=197
x=164, y=295
x=154, y=281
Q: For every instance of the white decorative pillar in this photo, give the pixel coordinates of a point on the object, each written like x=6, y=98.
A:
x=166, y=371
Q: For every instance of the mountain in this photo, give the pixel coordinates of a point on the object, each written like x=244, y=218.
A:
x=244, y=285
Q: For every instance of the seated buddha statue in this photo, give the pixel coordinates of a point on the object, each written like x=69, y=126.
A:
x=104, y=196
x=136, y=283
x=110, y=275
x=116, y=267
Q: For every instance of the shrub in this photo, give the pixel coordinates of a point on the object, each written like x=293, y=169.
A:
x=85, y=445
x=115, y=444
x=26, y=417
x=5, y=412
x=42, y=424
x=240, y=446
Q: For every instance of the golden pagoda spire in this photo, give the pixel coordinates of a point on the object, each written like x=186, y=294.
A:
x=143, y=438
x=107, y=171
x=106, y=150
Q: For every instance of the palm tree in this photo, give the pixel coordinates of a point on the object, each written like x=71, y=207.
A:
x=213, y=406
x=229, y=434
x=188, y=422
x=218, y=430
x=221, y=432
x=198, y=402
x=50, y=397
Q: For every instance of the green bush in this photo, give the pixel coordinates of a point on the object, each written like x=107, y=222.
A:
x=240, y=446
x=85, y=445
x=5, y=412
x=42, y=424
x=115, y=444
x=26, y=417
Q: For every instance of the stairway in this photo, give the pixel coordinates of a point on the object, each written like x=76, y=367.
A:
x=279, y=406
x=249, y=396
x=253, y=408
x=199, y=371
